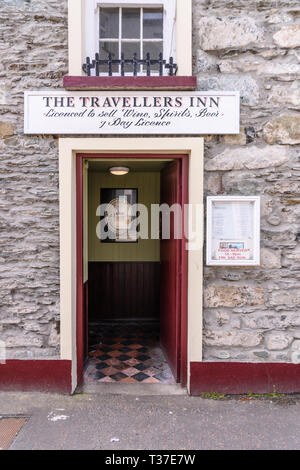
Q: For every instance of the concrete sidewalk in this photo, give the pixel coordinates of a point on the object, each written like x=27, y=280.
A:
x=90, y=421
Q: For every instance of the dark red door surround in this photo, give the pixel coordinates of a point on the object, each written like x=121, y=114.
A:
x=52, y=376
x=184, y=277
x=170, y=194
x=86, y=323
x=81, y=316
x=81, y=346
x=243, y=377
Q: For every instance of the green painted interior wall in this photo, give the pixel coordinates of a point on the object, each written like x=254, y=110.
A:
x=148, y=185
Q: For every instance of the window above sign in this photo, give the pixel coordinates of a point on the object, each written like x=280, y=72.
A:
x=110, y=40
x=126, y=38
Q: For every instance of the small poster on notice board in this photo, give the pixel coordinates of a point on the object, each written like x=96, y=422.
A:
x=233, y=230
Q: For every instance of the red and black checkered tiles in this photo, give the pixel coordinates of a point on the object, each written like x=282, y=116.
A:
x=127, y=353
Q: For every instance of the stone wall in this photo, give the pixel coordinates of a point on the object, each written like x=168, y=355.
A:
x=248, y=45
x=33, y=55
x=253, y=314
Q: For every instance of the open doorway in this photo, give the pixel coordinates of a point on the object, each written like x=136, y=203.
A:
x=133, y=322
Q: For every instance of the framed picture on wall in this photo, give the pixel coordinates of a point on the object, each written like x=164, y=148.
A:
x=118, y=215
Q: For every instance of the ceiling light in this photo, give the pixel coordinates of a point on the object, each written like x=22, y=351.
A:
x=119, y=170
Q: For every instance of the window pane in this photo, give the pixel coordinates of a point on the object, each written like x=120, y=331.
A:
x=129, y=48
x=109, y=23
x=154, y=48
x=131, y=26
x=153, y=23
x=105, y=49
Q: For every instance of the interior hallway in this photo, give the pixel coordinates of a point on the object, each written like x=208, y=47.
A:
x=126, y=352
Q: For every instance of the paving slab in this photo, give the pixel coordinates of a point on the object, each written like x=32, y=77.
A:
x=113, y=422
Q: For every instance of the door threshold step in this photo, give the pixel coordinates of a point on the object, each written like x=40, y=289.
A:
x=133, y=389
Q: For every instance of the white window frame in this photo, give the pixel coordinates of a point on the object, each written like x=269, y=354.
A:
x=256, y=231
x=92, y=23
x=77, y=37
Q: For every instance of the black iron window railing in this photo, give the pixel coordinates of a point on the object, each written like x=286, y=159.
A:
x=137, y=66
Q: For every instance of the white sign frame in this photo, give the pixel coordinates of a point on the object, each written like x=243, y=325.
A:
x=39, y=120
x=256, y=231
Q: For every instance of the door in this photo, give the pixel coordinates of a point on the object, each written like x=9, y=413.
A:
x=170, y=279
x=81, y=266
x=173, y=298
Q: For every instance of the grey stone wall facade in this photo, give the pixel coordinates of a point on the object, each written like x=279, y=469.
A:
x=252, y=46
x=33, y=55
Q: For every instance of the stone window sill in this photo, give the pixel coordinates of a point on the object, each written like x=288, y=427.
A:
x=129, y=83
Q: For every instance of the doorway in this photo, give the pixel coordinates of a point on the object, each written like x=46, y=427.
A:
x=134, y=293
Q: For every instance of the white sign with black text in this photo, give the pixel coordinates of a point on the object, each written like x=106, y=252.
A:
x=190, y=113
x=233, y=230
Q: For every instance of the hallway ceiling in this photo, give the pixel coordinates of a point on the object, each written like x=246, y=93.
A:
x=135, y=165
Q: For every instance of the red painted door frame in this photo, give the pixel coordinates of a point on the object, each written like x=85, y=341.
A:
x=80, y=287
x=170, y=272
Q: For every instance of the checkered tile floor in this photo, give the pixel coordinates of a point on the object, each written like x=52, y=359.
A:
x=126, y=353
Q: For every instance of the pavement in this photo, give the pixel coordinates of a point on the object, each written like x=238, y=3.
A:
x=149, y=421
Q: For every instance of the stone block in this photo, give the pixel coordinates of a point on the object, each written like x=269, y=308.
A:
x=221, y=355
x=242, y=182
x=232, y=338
x=248, y=158
x=257, y=65
x=295, y=345
x=10, y=321
x=213, y=183
x=239, y=139
x=277, y=341
x=285, y=186
x=20, y=340
x=6, y=129
x=261, y=354
x=286, y=95
x=230, y=296
x=296, y=334
x=270, y=259
x=217, y=33
x=288, y=36
x=205, y=62
x=54, y=338
x=266, y=321
x=247, y=86
x=295, y=357
x=283, y=130
x=274, y=220
x=285, y=297
x=294, y=255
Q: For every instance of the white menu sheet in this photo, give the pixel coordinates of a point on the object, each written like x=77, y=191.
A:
x=232, y=220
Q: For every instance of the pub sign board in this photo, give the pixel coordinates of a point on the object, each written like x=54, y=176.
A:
x=188, y=113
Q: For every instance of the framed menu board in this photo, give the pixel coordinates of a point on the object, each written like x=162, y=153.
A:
x=233, y=231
